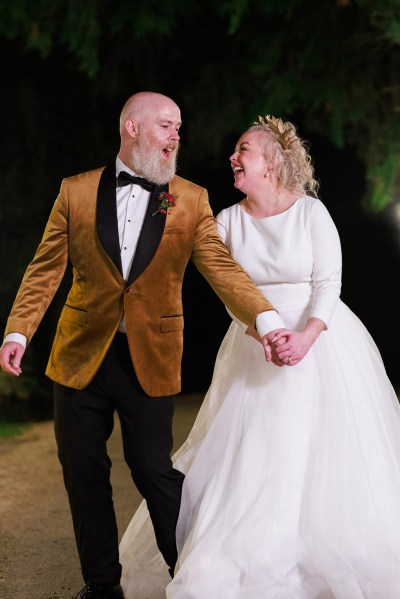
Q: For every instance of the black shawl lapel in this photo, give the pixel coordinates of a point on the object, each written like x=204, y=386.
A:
x=106, y=216
x=150, y=235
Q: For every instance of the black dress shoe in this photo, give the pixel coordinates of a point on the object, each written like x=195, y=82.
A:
x=94, y=591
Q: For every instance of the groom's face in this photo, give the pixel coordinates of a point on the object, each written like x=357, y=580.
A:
x=155, y=147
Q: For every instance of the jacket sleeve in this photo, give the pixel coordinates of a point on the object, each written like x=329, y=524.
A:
x=43, y=275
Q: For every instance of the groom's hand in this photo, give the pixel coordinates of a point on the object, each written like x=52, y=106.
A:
x=270, y=348
x=11, y=354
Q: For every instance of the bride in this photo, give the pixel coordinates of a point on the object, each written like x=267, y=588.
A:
x=292, y=487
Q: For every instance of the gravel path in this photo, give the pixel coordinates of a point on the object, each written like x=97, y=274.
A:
x=38, y=557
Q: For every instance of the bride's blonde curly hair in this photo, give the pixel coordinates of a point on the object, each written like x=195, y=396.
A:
x=289, y=154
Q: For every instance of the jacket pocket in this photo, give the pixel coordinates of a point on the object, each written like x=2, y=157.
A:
x=171, y=323
x=175, y=230
x=74, y=315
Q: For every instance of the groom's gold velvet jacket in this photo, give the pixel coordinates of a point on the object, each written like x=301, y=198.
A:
x=83, y=229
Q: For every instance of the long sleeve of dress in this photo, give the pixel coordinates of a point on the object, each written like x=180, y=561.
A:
x=327, y=266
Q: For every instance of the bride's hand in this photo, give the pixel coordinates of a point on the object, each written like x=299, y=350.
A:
x=298, y=343
x=293, y=350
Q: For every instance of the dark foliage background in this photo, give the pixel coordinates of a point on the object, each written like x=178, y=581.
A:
x=330, y=66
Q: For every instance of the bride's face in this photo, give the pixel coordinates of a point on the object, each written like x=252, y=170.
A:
x=248, y=162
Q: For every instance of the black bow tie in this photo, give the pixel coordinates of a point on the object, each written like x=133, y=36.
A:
x=126, y=179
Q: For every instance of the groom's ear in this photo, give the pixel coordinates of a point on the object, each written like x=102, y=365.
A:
x=131, y=125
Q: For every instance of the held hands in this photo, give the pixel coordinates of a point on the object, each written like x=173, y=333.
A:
x=270, y=343
x=284, y=347
x=292, y=346
x=10, y=357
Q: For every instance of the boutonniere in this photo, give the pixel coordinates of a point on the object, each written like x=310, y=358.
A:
x=165, y=202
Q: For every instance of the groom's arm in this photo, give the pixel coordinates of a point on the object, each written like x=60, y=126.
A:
x=39, y=284
x=229, y=281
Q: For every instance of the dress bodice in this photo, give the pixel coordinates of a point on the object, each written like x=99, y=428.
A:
x=294, y=257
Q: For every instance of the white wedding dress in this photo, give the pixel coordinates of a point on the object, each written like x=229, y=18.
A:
x=292, y=487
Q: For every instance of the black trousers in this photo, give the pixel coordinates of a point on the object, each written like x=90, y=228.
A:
x=83, y=423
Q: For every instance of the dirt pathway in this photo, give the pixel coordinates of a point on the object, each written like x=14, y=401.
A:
x=38, y=557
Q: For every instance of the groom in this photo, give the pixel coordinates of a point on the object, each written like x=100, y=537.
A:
x=128, y=230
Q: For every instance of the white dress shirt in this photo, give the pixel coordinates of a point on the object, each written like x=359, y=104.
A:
x=132, y=202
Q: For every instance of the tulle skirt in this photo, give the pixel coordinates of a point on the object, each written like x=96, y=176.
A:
x=292, y=487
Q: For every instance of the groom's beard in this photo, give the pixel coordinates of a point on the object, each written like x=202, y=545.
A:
x=148, y=162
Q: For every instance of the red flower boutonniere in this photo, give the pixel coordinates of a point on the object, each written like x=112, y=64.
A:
x=165, y=202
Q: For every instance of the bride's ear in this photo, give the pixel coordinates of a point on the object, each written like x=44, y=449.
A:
x=269, y=169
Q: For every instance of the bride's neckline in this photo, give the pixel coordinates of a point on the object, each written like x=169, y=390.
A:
x=243, y=209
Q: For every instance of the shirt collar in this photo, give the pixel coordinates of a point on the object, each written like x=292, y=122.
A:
x=120, y=166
